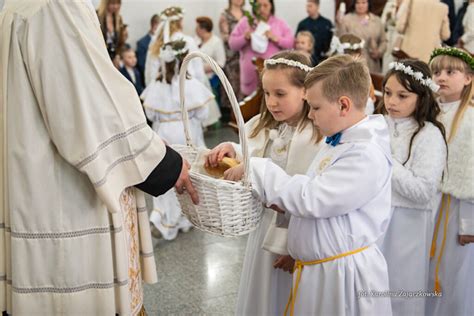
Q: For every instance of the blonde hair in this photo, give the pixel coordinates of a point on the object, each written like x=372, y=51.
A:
x=155, y=48
x=453, y=63
x=102, y=13
x=175, y=26
x=296, y=76
x=342, y=75
x=308, y=35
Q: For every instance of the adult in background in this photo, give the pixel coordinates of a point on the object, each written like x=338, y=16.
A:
x=264, y=38
x=360, y=22
x=227, y=22
x=422, y=35
x=389, y=19
x=144, y=42
x=213, y=46
x=74, y=231
x=467, y=39
x=320, y=28
x=110, y=24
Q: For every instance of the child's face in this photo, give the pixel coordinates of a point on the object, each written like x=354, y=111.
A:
x=303, y=43
x=451, y=83
x=284, y=100
x=312, y=8
x=129, y=59
x=326, y=115
x=398, y=101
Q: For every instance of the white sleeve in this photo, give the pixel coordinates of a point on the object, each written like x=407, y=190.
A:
x=152, y=68
x=220, y=53
x=196, y=65
x=343, y=187
x=92, y=113
x=420, y=182
x=201, y=113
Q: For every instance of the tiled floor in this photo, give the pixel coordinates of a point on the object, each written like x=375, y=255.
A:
x=198, y=273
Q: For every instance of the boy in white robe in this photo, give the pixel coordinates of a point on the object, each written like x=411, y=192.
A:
x=342, y=205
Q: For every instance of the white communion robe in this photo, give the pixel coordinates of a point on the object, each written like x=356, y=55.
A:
x=74, y=233
x=341, y=205
x=162, y=106
x=195, y=70
x=415, y=202
x=263, y=289
x=456, y=264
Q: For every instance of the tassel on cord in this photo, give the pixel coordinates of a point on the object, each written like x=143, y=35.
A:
x=438, y=223
x=437, y=284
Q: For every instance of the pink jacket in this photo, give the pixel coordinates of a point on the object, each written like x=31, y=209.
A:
x=248, y=73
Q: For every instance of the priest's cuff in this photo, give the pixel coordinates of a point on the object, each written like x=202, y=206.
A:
x=165, y=175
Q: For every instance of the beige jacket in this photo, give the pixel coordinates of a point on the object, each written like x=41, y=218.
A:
x=425, y=24
x=73, y=140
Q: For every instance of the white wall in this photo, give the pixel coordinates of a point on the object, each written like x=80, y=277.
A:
x=137, y=13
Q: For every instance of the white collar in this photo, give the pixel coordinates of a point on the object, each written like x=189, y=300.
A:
x=373, y=128
x=449, y=106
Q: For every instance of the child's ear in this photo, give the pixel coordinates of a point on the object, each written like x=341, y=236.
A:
x=345, y=105
x=468, y=80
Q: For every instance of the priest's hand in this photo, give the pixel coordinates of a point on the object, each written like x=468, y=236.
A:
x=286, y=263
x=184, y=183
x=466, y=239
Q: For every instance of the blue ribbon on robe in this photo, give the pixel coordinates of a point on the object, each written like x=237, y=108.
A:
x=334, y=139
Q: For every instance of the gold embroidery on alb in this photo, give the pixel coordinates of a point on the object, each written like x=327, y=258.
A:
x=324, y=163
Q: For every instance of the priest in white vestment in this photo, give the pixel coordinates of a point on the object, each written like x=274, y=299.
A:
x=75, y=155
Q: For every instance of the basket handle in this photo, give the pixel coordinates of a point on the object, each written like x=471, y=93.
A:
x=233, y=101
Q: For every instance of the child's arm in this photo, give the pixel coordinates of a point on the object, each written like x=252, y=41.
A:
x=201, y=113
x=349, y=183
x=152, y=68
x=419, y=182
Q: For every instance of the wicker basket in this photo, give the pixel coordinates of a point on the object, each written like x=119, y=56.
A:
x=226, y=208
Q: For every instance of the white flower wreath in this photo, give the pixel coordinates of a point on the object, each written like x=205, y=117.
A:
x=428, y=82
x=288, y=62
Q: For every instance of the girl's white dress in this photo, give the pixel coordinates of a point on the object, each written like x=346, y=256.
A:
x=195, y=70
x=415, y=202
x=456, y=263
x=161, y=102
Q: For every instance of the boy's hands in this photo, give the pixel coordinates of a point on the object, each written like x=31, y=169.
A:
x=218, y=153
x=276, y=209
x=465, y=239
x=286, y=263
x=235, y=173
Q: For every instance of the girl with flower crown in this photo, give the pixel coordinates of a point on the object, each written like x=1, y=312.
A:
x=419, y=155
x=352, y=45
x=284, y=133
x=452, y=252
x=162, y=105
x=171, y=29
